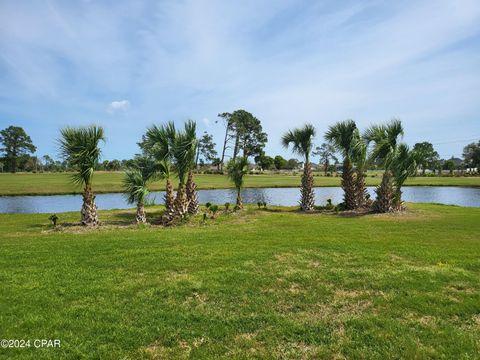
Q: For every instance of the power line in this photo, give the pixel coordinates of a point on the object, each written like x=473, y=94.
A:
x=455, y=141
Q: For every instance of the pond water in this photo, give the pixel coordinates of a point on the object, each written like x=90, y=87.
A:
x=273, y=196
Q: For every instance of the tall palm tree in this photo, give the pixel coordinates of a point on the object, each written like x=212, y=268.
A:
x=80, y=147
x=385, y=140
x=236, y=170
x=301, y=140
x=183, y=151
x=191, y=150
x=158, y=143
x=360, y=161
x=135, y=183
x=344, y=136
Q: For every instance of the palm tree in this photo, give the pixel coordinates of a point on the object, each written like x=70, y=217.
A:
x=135, y=184
x=403, y=164
x=183, y=151
x=301, y=141
x=191, y=149
x=385, y=142
x=158, y=143
x=360, y=161
x=79, y=146
x=344, y=136
x=236, y=170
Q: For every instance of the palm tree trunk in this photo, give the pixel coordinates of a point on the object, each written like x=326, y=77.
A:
x=141, y=217
x=360, y=189
x=181, y=202
x=192, y=196
x=239, y=204
x=348, y=185
x=307, y=201
x=385, y=194
x=89, y=209
x=397, y=200
x=169, y=200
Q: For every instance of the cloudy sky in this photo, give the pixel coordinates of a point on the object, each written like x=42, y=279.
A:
x=126, y=65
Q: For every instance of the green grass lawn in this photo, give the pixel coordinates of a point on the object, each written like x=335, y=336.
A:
x=59, y=183
x=260, y=284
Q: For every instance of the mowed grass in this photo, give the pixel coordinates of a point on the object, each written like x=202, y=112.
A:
x=259, y=284
x=104, y=182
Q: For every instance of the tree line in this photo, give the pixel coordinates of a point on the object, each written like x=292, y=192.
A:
x=243, y=134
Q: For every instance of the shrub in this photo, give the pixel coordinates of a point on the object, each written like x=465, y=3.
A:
x=214, y=209
x=208, y=205
x=227, y=205
x=54, y=219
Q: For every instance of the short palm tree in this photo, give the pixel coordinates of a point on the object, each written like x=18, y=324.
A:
x=236, y=170
x=344, y=136
x=404, y=164
x=135, y=184
x=301, y=140
x=385, y=140
x=80, y=147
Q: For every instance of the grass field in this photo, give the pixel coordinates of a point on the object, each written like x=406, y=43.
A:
x=260, y=284
x=59, y=183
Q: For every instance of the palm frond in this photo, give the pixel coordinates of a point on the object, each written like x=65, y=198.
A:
x=301, y=140
x=236, y=169
x=135, y=186
x=343, y=136
x=80, y=147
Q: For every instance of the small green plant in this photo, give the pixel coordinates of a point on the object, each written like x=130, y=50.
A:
x=227, y=206
x=329, y=202
x=259, y=204
x=53, y=219
x=264, y=204
x=204, y=217
x=214, y=209
x=208, y=205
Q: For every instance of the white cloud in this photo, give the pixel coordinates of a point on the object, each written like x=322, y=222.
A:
x=118, y=106
x=206, y=122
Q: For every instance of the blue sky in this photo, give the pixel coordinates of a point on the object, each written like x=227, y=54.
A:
x=126, y=65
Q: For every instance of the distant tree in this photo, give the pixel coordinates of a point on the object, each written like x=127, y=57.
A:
x=48, y=163
x=206, y=149
x=114, y=165
x=229, y=134
x=265, y=162
x=449, y=165
x=31, y=163
x=217, y=162
x=471, y=155
x=292, y=164
x=247, y=132
x=279, y=162
x=326, y=152
x=15, y=142
x=427, y=156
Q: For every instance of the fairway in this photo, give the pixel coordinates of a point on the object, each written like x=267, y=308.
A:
x=257, y=284
x=106, y=182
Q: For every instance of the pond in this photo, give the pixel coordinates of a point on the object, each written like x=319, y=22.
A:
x=273, y=196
